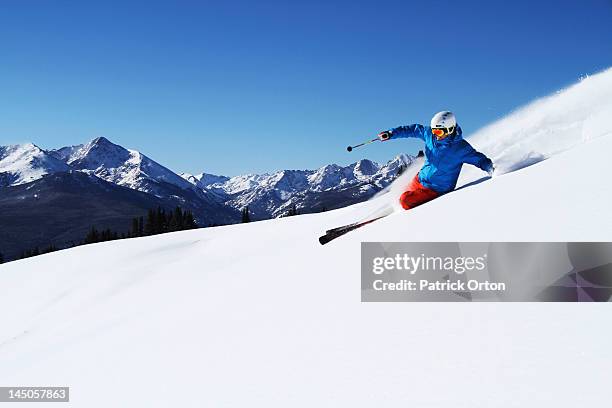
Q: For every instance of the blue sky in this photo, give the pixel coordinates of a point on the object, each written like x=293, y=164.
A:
x=253, y=86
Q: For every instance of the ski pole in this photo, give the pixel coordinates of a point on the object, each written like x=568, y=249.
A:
x=350, y=148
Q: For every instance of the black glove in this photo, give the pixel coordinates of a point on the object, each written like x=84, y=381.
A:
x=383, y=136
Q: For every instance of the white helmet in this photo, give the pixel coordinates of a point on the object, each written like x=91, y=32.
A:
x=444, y=119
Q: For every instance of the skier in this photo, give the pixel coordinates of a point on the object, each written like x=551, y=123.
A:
x=445, y=153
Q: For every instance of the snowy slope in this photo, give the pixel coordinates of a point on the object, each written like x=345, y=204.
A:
x=550, y=125
x=261, y=315
x=24, y=163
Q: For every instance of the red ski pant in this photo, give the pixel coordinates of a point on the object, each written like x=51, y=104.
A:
x=416, y=194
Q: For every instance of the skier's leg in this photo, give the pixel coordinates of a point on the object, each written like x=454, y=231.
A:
x=416, y=194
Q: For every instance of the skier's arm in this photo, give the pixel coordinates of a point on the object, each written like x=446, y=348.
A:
x=473, y=157
x=417, y=131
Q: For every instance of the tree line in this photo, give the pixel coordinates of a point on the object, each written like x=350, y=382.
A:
x=246, y=214
x=157, y=221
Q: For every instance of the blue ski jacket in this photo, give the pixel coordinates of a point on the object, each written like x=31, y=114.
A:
x=443, y=158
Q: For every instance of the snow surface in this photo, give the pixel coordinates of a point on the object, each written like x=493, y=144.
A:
x=261, y=315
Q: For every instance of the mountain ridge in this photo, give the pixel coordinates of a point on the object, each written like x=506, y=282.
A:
x=127, y=183
x=267, y=195
x=271, y=194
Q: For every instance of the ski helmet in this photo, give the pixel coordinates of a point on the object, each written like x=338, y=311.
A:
x=443, y=120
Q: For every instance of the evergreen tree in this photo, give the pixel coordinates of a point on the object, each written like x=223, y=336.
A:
x=1, y=258
x=161, y=221
x=170, y=222
x=135, y=228
x=150, y=227
x=179, y=218
x=188, y=221
x=175, y=220
x=92, y=236
x=245, y=214
x=292, y=211
x=50, y=248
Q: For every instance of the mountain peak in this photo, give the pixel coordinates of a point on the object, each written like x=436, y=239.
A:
x=26, y=162
x=30, y=146
x=365, y=167
x=101, y=140
x=101, y=148
x=207, y=179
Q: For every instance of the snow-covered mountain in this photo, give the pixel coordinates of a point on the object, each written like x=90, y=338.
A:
x=105, y=161
x=272, y=194
x=267, y=195
x=114, y=163
x=260, y=314
x=111, y=162
x=40, y=204
x=203, y=179
x=24, y=163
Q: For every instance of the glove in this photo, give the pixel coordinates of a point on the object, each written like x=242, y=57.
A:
x=383, y=136
x=491, y=171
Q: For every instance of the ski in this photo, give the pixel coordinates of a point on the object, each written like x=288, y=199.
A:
x=343, y=227
x=334, y=233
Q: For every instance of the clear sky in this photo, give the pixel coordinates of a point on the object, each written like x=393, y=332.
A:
x=232, y=87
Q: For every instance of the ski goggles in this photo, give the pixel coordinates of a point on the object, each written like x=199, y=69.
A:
x=442, y=132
